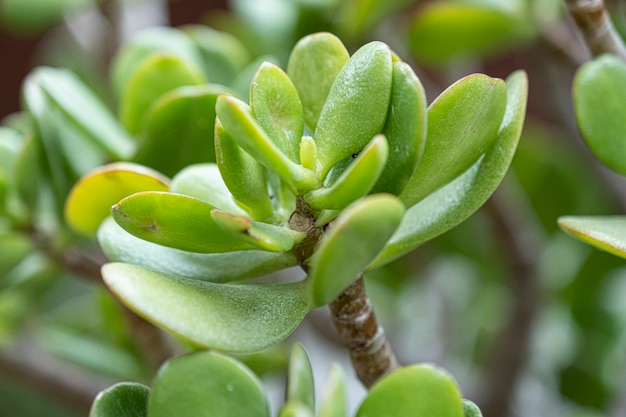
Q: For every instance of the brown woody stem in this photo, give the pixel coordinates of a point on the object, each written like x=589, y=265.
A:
x=596, y=27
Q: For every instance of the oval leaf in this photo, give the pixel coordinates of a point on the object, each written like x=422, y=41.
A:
x=607, y=233
x=333, y=402
x=207, y=384
x=356, y=107
x=120, y=246
x=175, y=220
x=300, y=385
x=462, y=123
x=416, y=390
x=599, y=98
x=295, y=409
x=91, y=198
x=275, y=105
x=126, y=399
x=233, y=318
x=355, y=238
x=313, y=66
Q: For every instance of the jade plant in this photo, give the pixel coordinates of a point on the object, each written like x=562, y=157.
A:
x=208, y=383
x=336, y=165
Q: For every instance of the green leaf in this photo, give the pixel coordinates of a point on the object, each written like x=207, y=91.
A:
x=300, y=385
x=295, y=409
x=313, y=66
x=148, y=42
x=204, y=182
x=470, y=409
x=356, y=181
x=125, y=399
x=333, y=402
x=354, y=239
x=463, y=122
x=178, y=129
x=233, y=318
x=405, y=129
x=81, y=106
x=599, y=100
x=416, y=390
x=447, y=30
x=157, y=74
x=120, y=246
x=607, y=233
x=207, y=384
x=455, y=202
x=356, y=107
x=262, y=235
x=237, y=120
x=91, y=198
x=243, y=175
x=175, y=220
x=275, y=105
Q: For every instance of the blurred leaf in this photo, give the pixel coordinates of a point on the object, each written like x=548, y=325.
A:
x=91, y=198
x=27, y=171
x=13, y=248
x=178, y=129
x=29, y=17
x=125, y=399
x=463, y=122
x=454, y=203
x=234, y=318
x=405, y=129
x=470, y=409
x=121, y=246
x=333, y=402
x=155, y=76
x=356, y=17
x=607, y=233
x=415, y=390
x=175, y=220
x=313, y=66
x=275, y=105
x=206, y=384
x=354, y=239
x=295, y=409
x=356, y=107
x=445, y=30
x=599, y=99
x=300, y=385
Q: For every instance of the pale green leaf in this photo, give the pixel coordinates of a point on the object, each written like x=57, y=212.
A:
x=607, y=233
x=300, y=385
x=333, y=402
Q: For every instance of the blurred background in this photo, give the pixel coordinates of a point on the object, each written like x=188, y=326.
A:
x=529, y=321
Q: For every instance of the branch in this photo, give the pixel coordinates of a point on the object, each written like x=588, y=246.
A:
x=596, y=27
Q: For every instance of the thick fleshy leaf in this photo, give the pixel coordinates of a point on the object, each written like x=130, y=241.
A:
x=262, y=235
x=92, y=197
x=405, y=129
x=447, y=30
x=455, y=202
x=234, y=115
x=275, y=105
x=175, y=220
x=295, y=409
x=120, y=246
x=81, y=106
x=125, y=399
x=607, y=233
x=223, y=55
x=313, y=66
x=178, y=129
x=207, y=384
x=416, y=390
x=300, y=385
x=470, y=409
x=204, y=182
x=356, y=181
x=333, y=402
x=463, y=122
x=355, y=238
x=233, y=318
x=243, y=175
x=155, y=76
x=148, y=42
x=356, y=107
x=599, y=99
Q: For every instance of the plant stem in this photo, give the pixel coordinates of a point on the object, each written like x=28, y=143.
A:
x=596, y=27
x=360, y=332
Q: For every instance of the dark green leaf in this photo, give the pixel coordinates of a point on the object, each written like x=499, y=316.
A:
x=125, y=399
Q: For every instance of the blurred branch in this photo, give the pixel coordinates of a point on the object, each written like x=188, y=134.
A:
x=520, y=241
x=596, y=27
